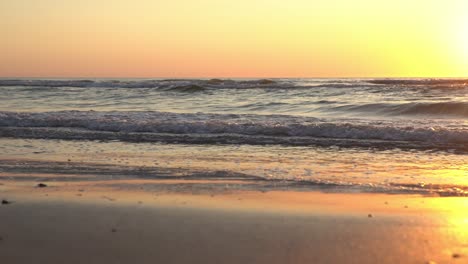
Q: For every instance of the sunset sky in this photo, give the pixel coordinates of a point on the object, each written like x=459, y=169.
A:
x=244, y=38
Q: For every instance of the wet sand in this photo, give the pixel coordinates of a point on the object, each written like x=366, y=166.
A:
x=73, y=223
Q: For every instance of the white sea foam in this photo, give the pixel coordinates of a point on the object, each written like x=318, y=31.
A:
x=216, y=128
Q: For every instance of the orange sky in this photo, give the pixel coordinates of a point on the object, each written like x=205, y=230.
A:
x=245, y=38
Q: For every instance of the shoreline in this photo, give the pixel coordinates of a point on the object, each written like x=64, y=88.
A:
x=104, y=225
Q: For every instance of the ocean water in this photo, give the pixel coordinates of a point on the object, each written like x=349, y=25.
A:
x=334, y=135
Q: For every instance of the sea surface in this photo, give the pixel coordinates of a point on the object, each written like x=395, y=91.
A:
x=331, y=135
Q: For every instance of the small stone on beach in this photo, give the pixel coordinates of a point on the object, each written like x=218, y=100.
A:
x=113, y=230
x=456, y=255
x=5, y=201
x=42, y=185
x=370, y=215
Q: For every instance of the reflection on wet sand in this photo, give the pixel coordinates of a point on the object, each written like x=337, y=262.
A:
x=261, y=227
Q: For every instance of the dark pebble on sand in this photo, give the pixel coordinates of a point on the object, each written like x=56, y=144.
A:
x=5, y=201
x=42, y=185
x=370, y=215
x=456, y=255
x=113, y=230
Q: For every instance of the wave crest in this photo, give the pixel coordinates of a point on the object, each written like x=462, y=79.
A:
x=218, y=128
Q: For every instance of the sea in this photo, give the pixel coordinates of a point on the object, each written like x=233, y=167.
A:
x=397, y=136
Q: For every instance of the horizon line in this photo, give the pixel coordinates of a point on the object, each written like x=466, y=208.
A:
x=244, y=77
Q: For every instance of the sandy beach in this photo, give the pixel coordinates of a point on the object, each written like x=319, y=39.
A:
x=233, y=132
x=75, y=223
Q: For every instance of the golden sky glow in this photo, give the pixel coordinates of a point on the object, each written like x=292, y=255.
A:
x=245, y=38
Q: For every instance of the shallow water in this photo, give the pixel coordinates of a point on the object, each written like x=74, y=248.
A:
x=361, y=135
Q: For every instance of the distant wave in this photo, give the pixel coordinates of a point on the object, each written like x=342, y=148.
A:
x=169, y=84
x=427, y=82
x=186, y=88
x=226, y=129
x=457, y=109
x=166, y=84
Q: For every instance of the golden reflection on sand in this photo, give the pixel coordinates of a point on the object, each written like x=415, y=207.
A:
x=416, y=228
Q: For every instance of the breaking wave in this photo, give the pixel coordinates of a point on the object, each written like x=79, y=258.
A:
x=227, y=129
